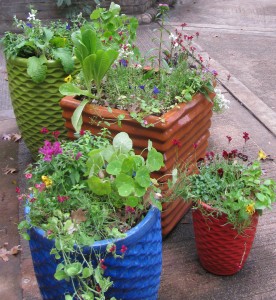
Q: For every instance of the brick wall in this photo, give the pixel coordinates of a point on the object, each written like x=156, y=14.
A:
x=48, y=9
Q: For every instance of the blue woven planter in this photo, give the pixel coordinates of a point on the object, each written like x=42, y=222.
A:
x=136, y=277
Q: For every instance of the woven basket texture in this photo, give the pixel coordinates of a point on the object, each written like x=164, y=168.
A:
x=221, y=250
x=36, y=105
x=135, y=277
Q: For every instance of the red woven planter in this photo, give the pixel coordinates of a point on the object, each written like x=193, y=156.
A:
x=221, y=250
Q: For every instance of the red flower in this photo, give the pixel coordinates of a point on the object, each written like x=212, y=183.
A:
x=183, y=25
x=44, y=130
x=123, y=249
x=82, y=132
x=195, y=145
x=246, y=137
x=62, y=198
x=176, y=142
x=197, y=34
x=112, y=248
x=225, y=154
x=56, y=134
x=102, y=266
x=233, y=153
x=17, y=190
x=220, y=172
x=130, y=209
x=229, y=139
x=210, y=155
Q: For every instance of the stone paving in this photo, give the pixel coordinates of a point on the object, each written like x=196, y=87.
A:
x=183, y=277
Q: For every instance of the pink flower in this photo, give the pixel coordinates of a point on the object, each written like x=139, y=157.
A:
x=49, y=150
x=195, y=145
x=28, y=175
x=40, y=186
x=44, y=130
x=82, y=132
x=17, y=190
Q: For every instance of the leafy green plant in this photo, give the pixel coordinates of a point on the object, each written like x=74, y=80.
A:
x=230, y=185
x=40, y=43
x=129, y=83
x=87, y=190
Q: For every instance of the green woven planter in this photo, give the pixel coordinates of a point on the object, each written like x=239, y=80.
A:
x=36, y=105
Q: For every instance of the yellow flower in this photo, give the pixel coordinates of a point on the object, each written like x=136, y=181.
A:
x=261, y=155
x=250, y=209
x=47, y=181
x=68, y=78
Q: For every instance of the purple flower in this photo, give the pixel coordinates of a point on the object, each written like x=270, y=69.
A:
x=142, y=87
x=68, y=27
x=49, y=150
x=156, y=90
x=123, y=62
x=29, y=25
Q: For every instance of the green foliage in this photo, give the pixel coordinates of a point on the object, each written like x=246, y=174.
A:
x=86, y=190
x=40, y=42
x=230, y=186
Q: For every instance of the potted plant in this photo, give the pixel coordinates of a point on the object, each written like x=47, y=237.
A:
x=169, y=102
x=229, y=194
x=39, y=59
x=92, y=219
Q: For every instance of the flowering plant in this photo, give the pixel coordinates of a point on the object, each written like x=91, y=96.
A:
x=128, y=82
x=230, y=185
x=87, y=190
x=39, y=43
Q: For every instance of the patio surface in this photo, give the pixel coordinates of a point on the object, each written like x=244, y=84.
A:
x=252, y=109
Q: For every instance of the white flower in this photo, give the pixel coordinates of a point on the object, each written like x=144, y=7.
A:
x=220, y=102
x=31, y=17
x=172, y=37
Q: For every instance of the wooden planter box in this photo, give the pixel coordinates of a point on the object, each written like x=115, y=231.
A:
x=188, y=123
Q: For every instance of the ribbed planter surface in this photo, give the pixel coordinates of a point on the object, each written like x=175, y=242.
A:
x=221, y=250
x=189, y=124
x=36, y=105
x=135, y=277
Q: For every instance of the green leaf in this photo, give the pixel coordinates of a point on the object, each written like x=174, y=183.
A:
x=124, y=184
x=68, y=297
x=114, y=167
x=154, y=160
x=65, y=56
x=132, y=201
x=73, y=269
x=77, y=116
x=95, y=162
x=98, y=186
x=95, y=14
x=122, y=142
x=142, y=177
x=26, y=236
x=260, y=197
x=60, y=275
x=68, y=89
x=37, y=69
x=87, y=272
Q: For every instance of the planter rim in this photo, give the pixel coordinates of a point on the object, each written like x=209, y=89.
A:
x=132, y=235
x=168, y=116
x=20, y=61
